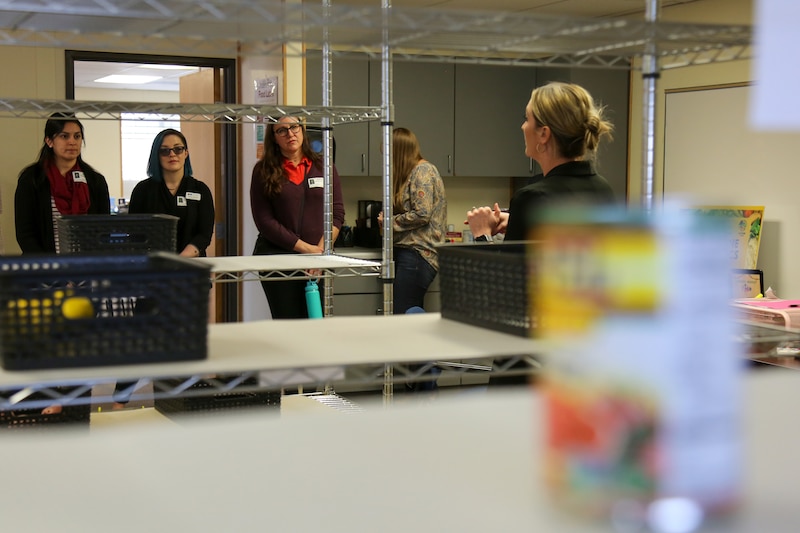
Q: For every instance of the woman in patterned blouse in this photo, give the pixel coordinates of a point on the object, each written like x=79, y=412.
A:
x=419, y=220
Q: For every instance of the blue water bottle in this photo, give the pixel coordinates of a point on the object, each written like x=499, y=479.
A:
x=313, y=302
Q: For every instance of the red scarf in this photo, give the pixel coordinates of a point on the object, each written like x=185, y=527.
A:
x=71, y=197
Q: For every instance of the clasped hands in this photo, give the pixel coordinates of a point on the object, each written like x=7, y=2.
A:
x=487, y=220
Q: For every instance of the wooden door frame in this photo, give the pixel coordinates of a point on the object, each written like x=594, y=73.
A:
x=228, y=301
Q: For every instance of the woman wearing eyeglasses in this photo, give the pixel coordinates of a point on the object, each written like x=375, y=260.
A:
x=59, y=183
x=287, y=200
x=172, y=190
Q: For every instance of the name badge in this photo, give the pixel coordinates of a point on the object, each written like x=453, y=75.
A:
x=78, y=177
x=316, y=183
x=193, y=196
x=181, y=200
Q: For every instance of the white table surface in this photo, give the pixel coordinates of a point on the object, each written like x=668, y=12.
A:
x=465, y=463
x=286, y=344
x=282, y=262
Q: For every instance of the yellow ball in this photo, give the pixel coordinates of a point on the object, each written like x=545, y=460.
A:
x=77, y=307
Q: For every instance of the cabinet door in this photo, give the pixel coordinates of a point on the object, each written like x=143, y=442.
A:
x=357, y=304
x=610, y=88
x=423, y=102
x=490, y=105
x=350, y=82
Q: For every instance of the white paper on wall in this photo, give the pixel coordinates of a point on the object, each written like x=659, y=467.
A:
x=776, y=67
x=266, y=91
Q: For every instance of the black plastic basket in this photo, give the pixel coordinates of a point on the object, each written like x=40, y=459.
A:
x=486, y=285
x=72, y=311
x=116, y=234
x=70, y=416
x=197, y=403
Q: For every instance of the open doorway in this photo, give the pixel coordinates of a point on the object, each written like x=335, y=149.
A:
x=121, y=148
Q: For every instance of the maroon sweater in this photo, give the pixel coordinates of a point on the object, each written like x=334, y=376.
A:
x=297, y=212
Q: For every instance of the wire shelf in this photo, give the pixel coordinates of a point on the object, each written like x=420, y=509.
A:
x=216, y=113
x=231, y=27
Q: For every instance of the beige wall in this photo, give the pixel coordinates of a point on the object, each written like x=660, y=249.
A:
x=768, y=177
x=705, y=11
x=771, y=183
x=776, y=190
x=38, y=74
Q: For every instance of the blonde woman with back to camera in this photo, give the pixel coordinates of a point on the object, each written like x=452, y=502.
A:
x=562, y=129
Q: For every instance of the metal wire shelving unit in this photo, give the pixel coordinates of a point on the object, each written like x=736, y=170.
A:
x=231, y=28
x=213, y=113
x=286, y=266
x=270, y=355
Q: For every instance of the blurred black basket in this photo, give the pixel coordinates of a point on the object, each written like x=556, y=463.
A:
x=486, y=285
x=69, y=417
x=71, y=311
x=197, y=403
x=116, y=234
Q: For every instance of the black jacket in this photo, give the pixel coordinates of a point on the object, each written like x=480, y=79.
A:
x=192, y=204
x=575, y=181
x=33, y=215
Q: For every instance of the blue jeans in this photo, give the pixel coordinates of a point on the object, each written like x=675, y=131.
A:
x=412, y=277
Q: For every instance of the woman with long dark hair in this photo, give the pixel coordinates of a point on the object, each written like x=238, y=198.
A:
x=59, y=183
x=419, y=221
x=287, y=200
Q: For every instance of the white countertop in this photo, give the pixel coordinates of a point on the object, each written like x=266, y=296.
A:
x=468, y=463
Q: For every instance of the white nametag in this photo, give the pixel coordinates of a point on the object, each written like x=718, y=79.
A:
x=78, y=177
x=193, y=196
x=181, y=200
x=316, y=183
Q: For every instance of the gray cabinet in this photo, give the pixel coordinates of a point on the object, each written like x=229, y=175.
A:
x=423, y=102
x=611, y=89
x=489, y=110
x=467, y=117
x=350, y=85
x=363, y=295
x=463, y=115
